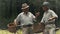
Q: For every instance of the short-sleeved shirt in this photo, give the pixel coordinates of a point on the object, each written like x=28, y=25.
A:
x=48, y=14
x=25, y=19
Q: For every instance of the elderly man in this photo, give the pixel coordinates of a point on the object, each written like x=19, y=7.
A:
x=48, y=19
x=26, y=19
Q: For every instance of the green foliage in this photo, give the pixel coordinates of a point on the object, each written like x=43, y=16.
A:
x=7, y=12
x=8, y=9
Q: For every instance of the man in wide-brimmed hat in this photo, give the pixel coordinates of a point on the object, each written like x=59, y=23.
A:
x=26, y=19
x=48, y=19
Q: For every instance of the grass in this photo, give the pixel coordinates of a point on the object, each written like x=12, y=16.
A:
x=58, y=32
x=18, y=32
x=7, y=32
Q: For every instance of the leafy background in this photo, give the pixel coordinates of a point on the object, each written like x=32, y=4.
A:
x=9, y=9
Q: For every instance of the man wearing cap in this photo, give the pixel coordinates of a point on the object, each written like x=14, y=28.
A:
x=48, y=19
x=26, y=19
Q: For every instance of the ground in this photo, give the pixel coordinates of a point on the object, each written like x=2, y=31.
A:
x=18, y=32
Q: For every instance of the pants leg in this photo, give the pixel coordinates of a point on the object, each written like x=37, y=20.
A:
x=24, y=30
x=27, y=30
x=49, y=29
x=30, y=30
x=45, y=31
x=52, y=31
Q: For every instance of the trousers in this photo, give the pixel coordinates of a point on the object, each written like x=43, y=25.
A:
x=27, y=30
x=49, y=29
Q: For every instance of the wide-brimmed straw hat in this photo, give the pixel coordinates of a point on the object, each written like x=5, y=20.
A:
x=24, y=6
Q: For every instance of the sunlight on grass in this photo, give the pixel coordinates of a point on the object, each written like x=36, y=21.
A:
x=7, y=32
x=58, y=32
x=18, y=32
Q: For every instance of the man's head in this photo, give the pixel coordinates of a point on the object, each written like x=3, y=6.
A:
x=46, y=6
x=25, y=7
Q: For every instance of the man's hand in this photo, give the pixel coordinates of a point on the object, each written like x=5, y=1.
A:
x=15, y=23
x=50, y=19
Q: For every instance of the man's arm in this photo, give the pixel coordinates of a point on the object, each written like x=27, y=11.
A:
x=17, y=20
x=42, y=20
x=54, y=16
